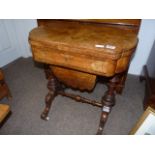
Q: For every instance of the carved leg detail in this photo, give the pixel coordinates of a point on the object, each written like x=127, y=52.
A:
x=108, y=102
x=103, y=119
x=47, y=70
x=52, y=86
x=48, y=100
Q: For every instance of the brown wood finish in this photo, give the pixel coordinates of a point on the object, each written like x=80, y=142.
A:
x=56, y=88
x=125, y=22
x=84, y=50
x=108, y=101
x=52, y=86
x=128, y=24
x=4, y=111
x=75, y=79
x=75, y=44
x=4, y=90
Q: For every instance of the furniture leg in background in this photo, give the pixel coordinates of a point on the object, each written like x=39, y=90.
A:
x=149, y=96
x=4, y=92
x=4, y=89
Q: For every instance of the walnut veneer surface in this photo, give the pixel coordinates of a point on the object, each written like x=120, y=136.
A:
x=103, y=50
x=78, y=51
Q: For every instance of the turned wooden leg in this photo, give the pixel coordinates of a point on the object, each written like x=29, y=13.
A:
x=108, y=102
x=52, y=86
x=121, y=83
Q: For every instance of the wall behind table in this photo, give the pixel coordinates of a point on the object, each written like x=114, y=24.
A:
x=146, y=38
x=23, y=27
x=14, y=39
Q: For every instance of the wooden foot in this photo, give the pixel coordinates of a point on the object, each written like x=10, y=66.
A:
x=108, y=102
x=52, y=86
x=103, y=119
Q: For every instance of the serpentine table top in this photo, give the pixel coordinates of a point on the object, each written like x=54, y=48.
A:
x=102, y=50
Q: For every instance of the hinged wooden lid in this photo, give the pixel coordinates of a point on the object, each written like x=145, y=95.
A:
x=98, y=40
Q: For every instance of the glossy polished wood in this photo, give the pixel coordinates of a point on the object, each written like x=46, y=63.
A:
x=104, y=50
x=79, y=51
x=128, y=24
x=74, y=79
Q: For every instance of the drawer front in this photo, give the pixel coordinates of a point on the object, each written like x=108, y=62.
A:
x=80, y=63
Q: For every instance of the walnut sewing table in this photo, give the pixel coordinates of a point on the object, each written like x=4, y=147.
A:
x=77, y=52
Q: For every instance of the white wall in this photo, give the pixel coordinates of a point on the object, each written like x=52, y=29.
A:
x=14, y=39
x=146, y=39
x=23, y=27
x=9, y=50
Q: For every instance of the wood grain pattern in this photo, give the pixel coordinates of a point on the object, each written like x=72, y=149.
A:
x=127, y=22
x=4, y=110
x=70, y=45
x=78, y=51
x=131, y=25
x=63, y=35
x=90, y=65
x=75, y=79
